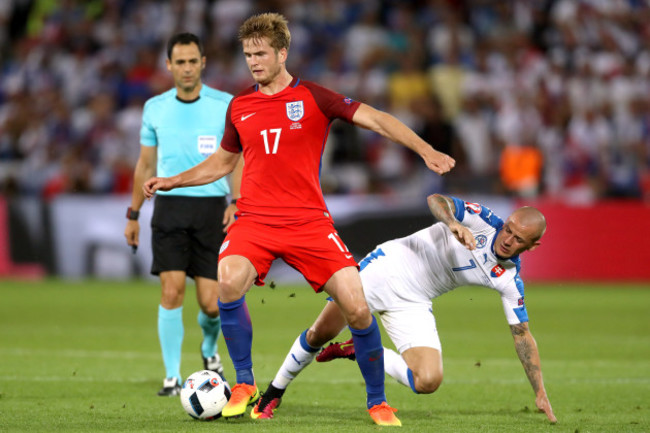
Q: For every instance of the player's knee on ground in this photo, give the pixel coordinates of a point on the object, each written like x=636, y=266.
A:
x=427, y=381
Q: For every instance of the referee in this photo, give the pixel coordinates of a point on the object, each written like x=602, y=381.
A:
x=180, y=128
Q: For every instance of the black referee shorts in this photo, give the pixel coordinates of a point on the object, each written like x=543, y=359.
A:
x=187, y=233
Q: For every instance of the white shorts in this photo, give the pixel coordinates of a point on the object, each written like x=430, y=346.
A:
x=405, y=314
x=409, y=328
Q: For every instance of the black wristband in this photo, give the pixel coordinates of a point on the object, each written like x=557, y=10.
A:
x=132, y=214
x=233, y=201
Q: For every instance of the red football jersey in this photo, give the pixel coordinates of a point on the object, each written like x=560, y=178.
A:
x=282, y=137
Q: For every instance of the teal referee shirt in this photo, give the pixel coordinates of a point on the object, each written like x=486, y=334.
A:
x=186, y=133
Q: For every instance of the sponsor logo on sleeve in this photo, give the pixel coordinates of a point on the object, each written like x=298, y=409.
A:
x=473, y=207
x=520, y=302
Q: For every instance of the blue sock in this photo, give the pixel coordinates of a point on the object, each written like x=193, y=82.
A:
x=211, y=327
x=170, y=333
x=409, y=373
x=370, y=357
x=238, y=332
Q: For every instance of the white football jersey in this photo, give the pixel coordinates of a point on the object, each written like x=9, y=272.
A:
x=430, y=262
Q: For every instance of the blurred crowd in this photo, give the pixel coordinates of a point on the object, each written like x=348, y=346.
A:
x=533, y=98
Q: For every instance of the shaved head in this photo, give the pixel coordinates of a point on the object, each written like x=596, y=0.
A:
x=532, y=219
x=521, y=232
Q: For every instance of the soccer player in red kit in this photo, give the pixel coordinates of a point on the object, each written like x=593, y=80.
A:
x=280, y=125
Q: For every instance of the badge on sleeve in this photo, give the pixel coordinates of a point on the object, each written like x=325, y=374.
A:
x=473, y=207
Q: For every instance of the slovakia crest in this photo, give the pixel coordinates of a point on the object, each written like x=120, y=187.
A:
x=481, y=241
x=295, y=110
x=497, y=271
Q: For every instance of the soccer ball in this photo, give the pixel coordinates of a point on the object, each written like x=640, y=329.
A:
x=204, y=394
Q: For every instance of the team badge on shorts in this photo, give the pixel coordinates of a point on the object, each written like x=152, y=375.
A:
x=481, y=240
x=295, y=110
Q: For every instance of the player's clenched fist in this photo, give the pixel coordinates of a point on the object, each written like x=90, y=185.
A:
x=154, y=184
x=438, y=162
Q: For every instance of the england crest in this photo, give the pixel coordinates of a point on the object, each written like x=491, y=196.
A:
x=295, y=110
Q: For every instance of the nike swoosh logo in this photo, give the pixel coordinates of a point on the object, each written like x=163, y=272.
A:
x=344, y=346
x=371, y=359
x=348, y=256
x=247, y=116
x=294, y=358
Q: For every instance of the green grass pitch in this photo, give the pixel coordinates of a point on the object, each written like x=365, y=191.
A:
x=84, y=356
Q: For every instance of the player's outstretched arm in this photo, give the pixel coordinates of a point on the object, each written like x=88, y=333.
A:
x=390, y=127
x=443, y=209
x=526, y=348
x=212, y=168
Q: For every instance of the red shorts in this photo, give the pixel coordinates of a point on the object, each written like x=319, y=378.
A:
x=312, y=248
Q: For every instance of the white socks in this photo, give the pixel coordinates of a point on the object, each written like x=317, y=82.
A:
x=396, y=367
x=297, y=359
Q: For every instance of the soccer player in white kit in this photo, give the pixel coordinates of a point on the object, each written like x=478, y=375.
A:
x=468, y=246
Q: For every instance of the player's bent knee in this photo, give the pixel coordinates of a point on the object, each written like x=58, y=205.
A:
x=359, y=317
x=229, y=291
x=427, y=382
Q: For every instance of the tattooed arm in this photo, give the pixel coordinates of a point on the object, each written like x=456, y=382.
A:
x=443, y=209
x=529, y=357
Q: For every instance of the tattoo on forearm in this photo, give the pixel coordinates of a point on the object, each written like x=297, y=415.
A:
x=518, y=330
x=527, y=352
x=442, y=211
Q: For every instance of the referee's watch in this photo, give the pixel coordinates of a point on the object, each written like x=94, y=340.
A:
x=132, y=214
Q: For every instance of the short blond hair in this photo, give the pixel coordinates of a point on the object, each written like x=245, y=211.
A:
x=272, y=26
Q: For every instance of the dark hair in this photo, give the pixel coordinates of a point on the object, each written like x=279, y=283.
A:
x=183, y=39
